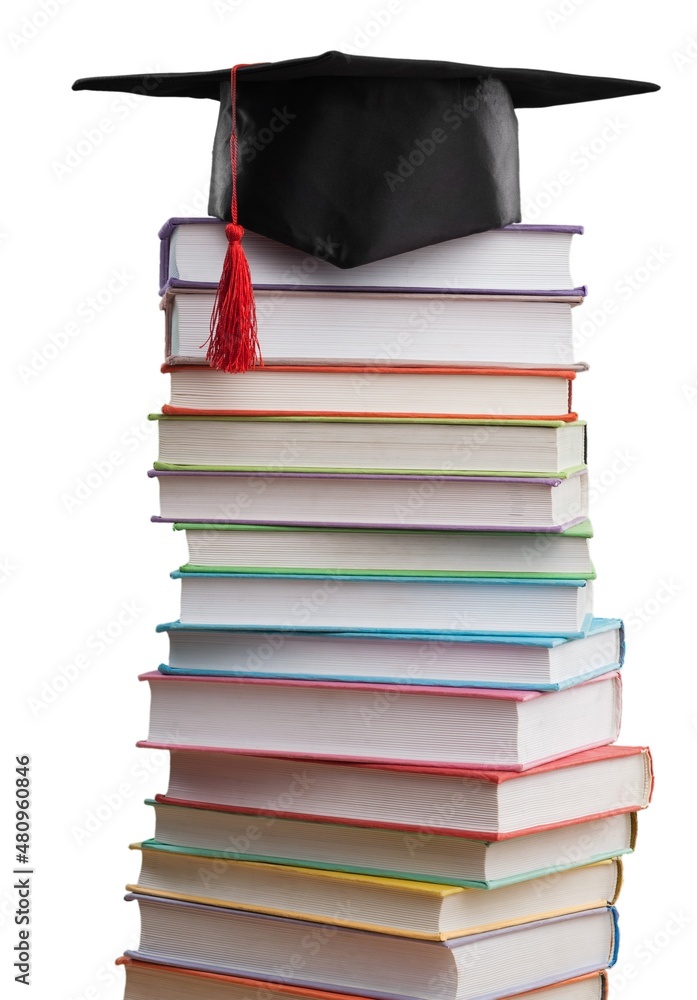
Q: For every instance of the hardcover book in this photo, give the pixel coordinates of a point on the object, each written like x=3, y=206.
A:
x=373, y=390
x=470, y=727
x=427, y=605
x=418, y=855
x=397, y=327
x=491, y=805
x=381, y=445
x=537, y=663
x=527, y=258
x=371, y=552
x=145, y=980
x=215, y=939
x=375, y=500
x=383, y=905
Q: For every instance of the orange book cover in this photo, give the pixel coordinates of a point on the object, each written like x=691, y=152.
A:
x=295, y=991
x=358, y=370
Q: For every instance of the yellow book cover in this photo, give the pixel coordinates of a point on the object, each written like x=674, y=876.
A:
x=401, y=907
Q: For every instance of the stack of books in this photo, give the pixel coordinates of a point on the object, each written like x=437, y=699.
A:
x=391, y=711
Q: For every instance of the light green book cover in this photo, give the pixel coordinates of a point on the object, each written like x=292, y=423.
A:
x=583, y=530
x=380, y=872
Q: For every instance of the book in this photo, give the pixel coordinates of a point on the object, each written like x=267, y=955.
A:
x=384, y=905
x=419, y=855
x=258, y=547
x=492, y=805
x=372, y=391
x=444, y=502
x=328, y=720
x=475, y=967
x=385, y=328
x=486, y=605
x=538, y=663
x=525, y=257
x=362, y=444
x=145, y=980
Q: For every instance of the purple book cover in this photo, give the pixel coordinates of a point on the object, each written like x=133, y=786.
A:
x=530, y=480
x=454, y=943
x=167, y=282
x=179, y=284
x=554, y=529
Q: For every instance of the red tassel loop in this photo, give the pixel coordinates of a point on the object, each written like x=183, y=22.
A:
x=233, y=345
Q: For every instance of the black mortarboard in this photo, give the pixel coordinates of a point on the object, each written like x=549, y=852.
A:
x=355, y=158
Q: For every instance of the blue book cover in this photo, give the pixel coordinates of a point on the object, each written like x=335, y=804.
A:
x=277, y=637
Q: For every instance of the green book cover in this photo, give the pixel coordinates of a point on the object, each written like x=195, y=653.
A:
x=380, y=872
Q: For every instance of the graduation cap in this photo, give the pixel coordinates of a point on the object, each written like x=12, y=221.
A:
x=356, y=158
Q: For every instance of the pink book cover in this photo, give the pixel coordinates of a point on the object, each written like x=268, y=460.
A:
x=154, y=677
x=611, y=752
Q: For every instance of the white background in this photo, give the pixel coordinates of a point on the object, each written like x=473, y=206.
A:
x=76, y=211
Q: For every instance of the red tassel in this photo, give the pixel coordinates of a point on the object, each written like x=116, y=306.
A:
x=233, y=345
